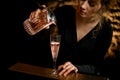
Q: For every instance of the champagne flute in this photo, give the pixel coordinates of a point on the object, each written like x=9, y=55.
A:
x=45, y=18
x=55, y=45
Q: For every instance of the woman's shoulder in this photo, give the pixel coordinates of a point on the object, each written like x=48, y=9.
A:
x=106, y=26
x=107, y=23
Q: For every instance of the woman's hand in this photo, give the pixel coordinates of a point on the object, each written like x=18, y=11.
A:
x=39, y=16
x=66, y=68
x=37, y=21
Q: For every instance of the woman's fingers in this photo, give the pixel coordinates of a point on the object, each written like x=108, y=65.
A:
x=38, y=11
x=35, y=14
x=43, y=7
x=60, y=67
x=32, y=15
x=67, y=68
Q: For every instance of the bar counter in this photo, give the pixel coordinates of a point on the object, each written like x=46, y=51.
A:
x=43, y=72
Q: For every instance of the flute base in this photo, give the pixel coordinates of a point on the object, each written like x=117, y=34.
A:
x=54, y=73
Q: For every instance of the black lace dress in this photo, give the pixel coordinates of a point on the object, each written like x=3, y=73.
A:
x=87, y=54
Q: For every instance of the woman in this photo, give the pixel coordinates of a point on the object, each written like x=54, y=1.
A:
x=86, y=36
